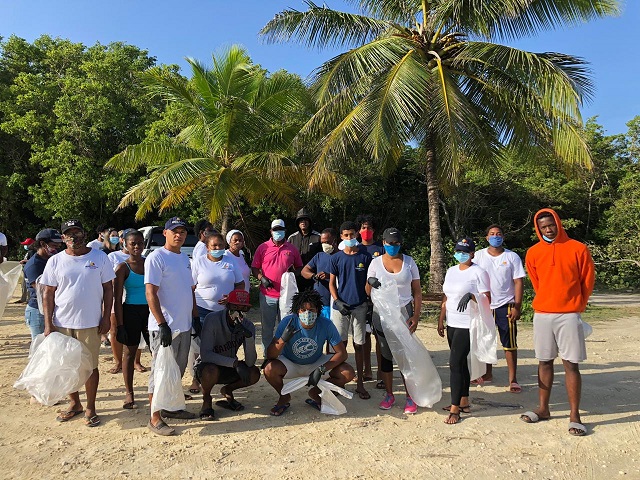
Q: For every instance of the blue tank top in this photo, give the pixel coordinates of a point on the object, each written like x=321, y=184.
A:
x=134, y=288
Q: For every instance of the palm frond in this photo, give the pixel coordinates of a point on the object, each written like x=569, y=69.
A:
x=150, y=155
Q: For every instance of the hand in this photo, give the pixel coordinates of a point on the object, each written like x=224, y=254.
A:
x=464, y=302
x=314, y=377
x=441, y=328
x=413, y=323
x=320, y=276
x=266, y=283
x=238, y=328
x=514, y=314
x=121, y=335
x=244, y=372
x=343, y=308
x=196, y=324
x=165, y=334
x=105, y=325
x=289, y=331
x=49, y=329
x=374, y=282
x=224, y=300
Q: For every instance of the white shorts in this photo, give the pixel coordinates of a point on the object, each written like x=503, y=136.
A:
x=559, y=334
x=295, y=370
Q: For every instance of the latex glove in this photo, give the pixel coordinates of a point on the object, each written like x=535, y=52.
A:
x=266, y=283
x=244, y=372
x=464, y=302
x=165, y=334
x=238, y=328
x=374, y=282
x=289, y=331
x=314, y=377
x=197, y=327
x=121, y=335
x=343, y=308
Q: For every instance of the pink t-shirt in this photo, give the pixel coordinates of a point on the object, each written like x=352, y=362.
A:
x=274, y=260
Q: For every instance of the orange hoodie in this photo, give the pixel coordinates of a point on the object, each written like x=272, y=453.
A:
x=562, y=272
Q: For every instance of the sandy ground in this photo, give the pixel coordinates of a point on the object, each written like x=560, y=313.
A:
x=365, y=443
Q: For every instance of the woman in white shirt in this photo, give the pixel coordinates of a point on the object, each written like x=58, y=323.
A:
x=235, y=255
x=394, y=265
x=461, y=283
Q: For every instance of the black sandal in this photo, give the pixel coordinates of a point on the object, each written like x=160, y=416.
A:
x=207, y=414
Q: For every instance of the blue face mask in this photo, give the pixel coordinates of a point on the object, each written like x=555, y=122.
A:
x=392, y=250
x=114, y=240
x=547, y=239
x=277, y=235
x=352, y=242
x=495, y=241
x=216, y=253
x=307, y=318
x=461, y=257
x=26, y=247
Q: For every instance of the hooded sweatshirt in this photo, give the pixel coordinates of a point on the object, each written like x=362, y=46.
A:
x=562, y=272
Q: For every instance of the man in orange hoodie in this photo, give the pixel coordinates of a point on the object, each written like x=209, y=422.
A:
x=562, y=273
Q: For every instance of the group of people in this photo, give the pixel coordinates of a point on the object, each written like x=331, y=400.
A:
x=196, y=307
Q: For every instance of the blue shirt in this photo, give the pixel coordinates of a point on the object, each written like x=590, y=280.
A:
x=351, y=271
x=305, y=347
x=32, y=270
x=321, y=262
x=375, y=250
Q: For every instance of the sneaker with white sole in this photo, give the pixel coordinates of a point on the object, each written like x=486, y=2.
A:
x=410, y=406
x=388, y=401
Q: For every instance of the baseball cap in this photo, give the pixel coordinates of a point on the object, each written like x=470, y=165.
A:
x=277, y=223
x=71, y=224
x=27, y=241
x=49, y=235
x=175, y=222
x=392, y=234
x=127, y=231
x=239, y=297
x=465, y=244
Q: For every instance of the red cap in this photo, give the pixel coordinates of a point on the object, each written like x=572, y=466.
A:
x=239, y=297
x=28, y=241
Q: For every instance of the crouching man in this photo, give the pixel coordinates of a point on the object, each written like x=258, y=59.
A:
x=222, y=334
x=296, y=351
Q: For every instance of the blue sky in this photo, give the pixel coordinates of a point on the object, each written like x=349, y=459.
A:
x=172, y=30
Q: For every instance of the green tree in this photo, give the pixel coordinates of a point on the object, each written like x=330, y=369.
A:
x=237, y=122
x=427, y=72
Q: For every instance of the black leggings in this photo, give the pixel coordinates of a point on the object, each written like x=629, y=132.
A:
x=459, y=375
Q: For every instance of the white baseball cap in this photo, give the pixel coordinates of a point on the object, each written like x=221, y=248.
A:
x=277, y=223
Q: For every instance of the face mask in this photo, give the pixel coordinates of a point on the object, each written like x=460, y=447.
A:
x=547, y=239
x=495, y=241
x=216, y=253
x=392, y=249
x=26, y=247
x=327, y=248
x=114, y=240
x=236, y=316
x=74, y=242
x=277, y=235
x=367, y=235
x=307, y=318
x=351, y=242
x=51, y=251
x=461, y=257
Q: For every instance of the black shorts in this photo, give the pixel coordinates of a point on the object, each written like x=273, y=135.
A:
x=135, y=319
x=226, y=375
x=507, y=330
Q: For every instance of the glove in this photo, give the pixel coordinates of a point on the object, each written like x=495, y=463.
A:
x=121, y=335
x=239, y=328
x=244, y=372
x=343, y=308
x=266, y=283
x=464, y=302
x=314, y=377
x=289, y=331
x=165, y=334
x=197, y=327
x=374, y=282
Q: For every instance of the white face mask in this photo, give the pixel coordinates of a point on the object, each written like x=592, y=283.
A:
x=327, y=248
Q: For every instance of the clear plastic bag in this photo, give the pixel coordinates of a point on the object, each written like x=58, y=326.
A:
x=413, y=359
x=586, y=328
x=288, y=288
x=40, y=295
x=10, y=273
x=482, y=333
x=330, y=404
x=58, y=365
x=167, y=392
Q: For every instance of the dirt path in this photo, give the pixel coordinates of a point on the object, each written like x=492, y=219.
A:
x=365, y=443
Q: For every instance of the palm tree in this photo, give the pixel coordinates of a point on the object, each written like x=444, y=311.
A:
x=428, y=73
x=236, y=143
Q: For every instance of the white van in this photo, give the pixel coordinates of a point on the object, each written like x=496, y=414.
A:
x=153, y=239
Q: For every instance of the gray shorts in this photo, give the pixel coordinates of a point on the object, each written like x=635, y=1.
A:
x=559, y=334
x=385, y=350
x=295, y=370
x=355, y=322
x=180, y=347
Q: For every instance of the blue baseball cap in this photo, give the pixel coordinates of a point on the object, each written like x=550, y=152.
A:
x=174, y=223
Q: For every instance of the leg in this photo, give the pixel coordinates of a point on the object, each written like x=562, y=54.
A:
x=512, y=364
x=129, y=353
x=274, y=372
x=573, y=384
x=208, y=376
x=545, y=382
x=269, y=312
x=368, y=374
x=227, y=390
x=359, y=322
x=91, y=388
x=116, y=347
x=488, y=376
x=459, y=343
x=137, y=362
x=341, y=374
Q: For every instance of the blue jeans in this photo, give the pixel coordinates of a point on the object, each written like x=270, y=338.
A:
x=202, y=312
x=34, y=320
x=270, y=313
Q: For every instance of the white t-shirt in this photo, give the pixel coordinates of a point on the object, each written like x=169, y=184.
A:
x=502, y=270
x=116, y=258
x=240, y=264
x=172, y=273
x=78, y=297
x=403, y=278
x=97, y=244
x=199, y=250
x=213, y=280
x=458, y=282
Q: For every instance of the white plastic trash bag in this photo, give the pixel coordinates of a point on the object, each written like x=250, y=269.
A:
x=482, y=333
x=288, y=288
x=40, y=295
x=58, y=365
x=586, y=328
x=167, y=391
x=10, y=273
x=330, y=404
x=413, y=359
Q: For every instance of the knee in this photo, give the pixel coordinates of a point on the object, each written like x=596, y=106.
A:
x=358, y=348
x=255, y=375
x=274, y=368
x=386, y=365
x=346, y=371
x=571, y=367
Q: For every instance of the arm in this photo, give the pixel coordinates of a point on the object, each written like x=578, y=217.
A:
x=151, y=292
x=587, y=277
x=239, y=285
x=275, y=349
x=107, y=303
x=339, y=357
x=443, y=316
x=333, y=289
x=122, y=272
x=48, y=304
x=416, y=293
x=250, y=354
x=194, y=308
x=308, y=273
x=531, y=270
x=517, y=308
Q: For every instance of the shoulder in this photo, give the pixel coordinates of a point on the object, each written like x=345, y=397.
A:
x=293, y=235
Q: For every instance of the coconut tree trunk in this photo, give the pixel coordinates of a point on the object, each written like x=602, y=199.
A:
x=225, y=221
x=436, y=264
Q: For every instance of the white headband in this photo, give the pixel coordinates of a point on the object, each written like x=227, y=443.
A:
x=231, y=233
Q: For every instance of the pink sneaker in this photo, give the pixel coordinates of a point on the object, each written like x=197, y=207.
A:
x=388, y=401
x=410, y=407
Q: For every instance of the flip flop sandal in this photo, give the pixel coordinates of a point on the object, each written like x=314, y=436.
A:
x=367, y=378
x=456, y=416
x=579, y=430
x=380, y=385
x=180, y=414
x=129, y=405
x=515, y=387
x=161, y=428
x=278, y=410
x=233, y=405
x=312, y=403
x=194, y=390
x=93, y=421
x=68, y=415
x=532, y=417
x=363, y=395
x=465, y=409
x=188, y=397
x=208, y=414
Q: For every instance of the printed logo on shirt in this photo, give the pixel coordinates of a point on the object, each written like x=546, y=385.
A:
x=304, y=347
x=91, y=265
x=360, y=266
x=376, y=254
